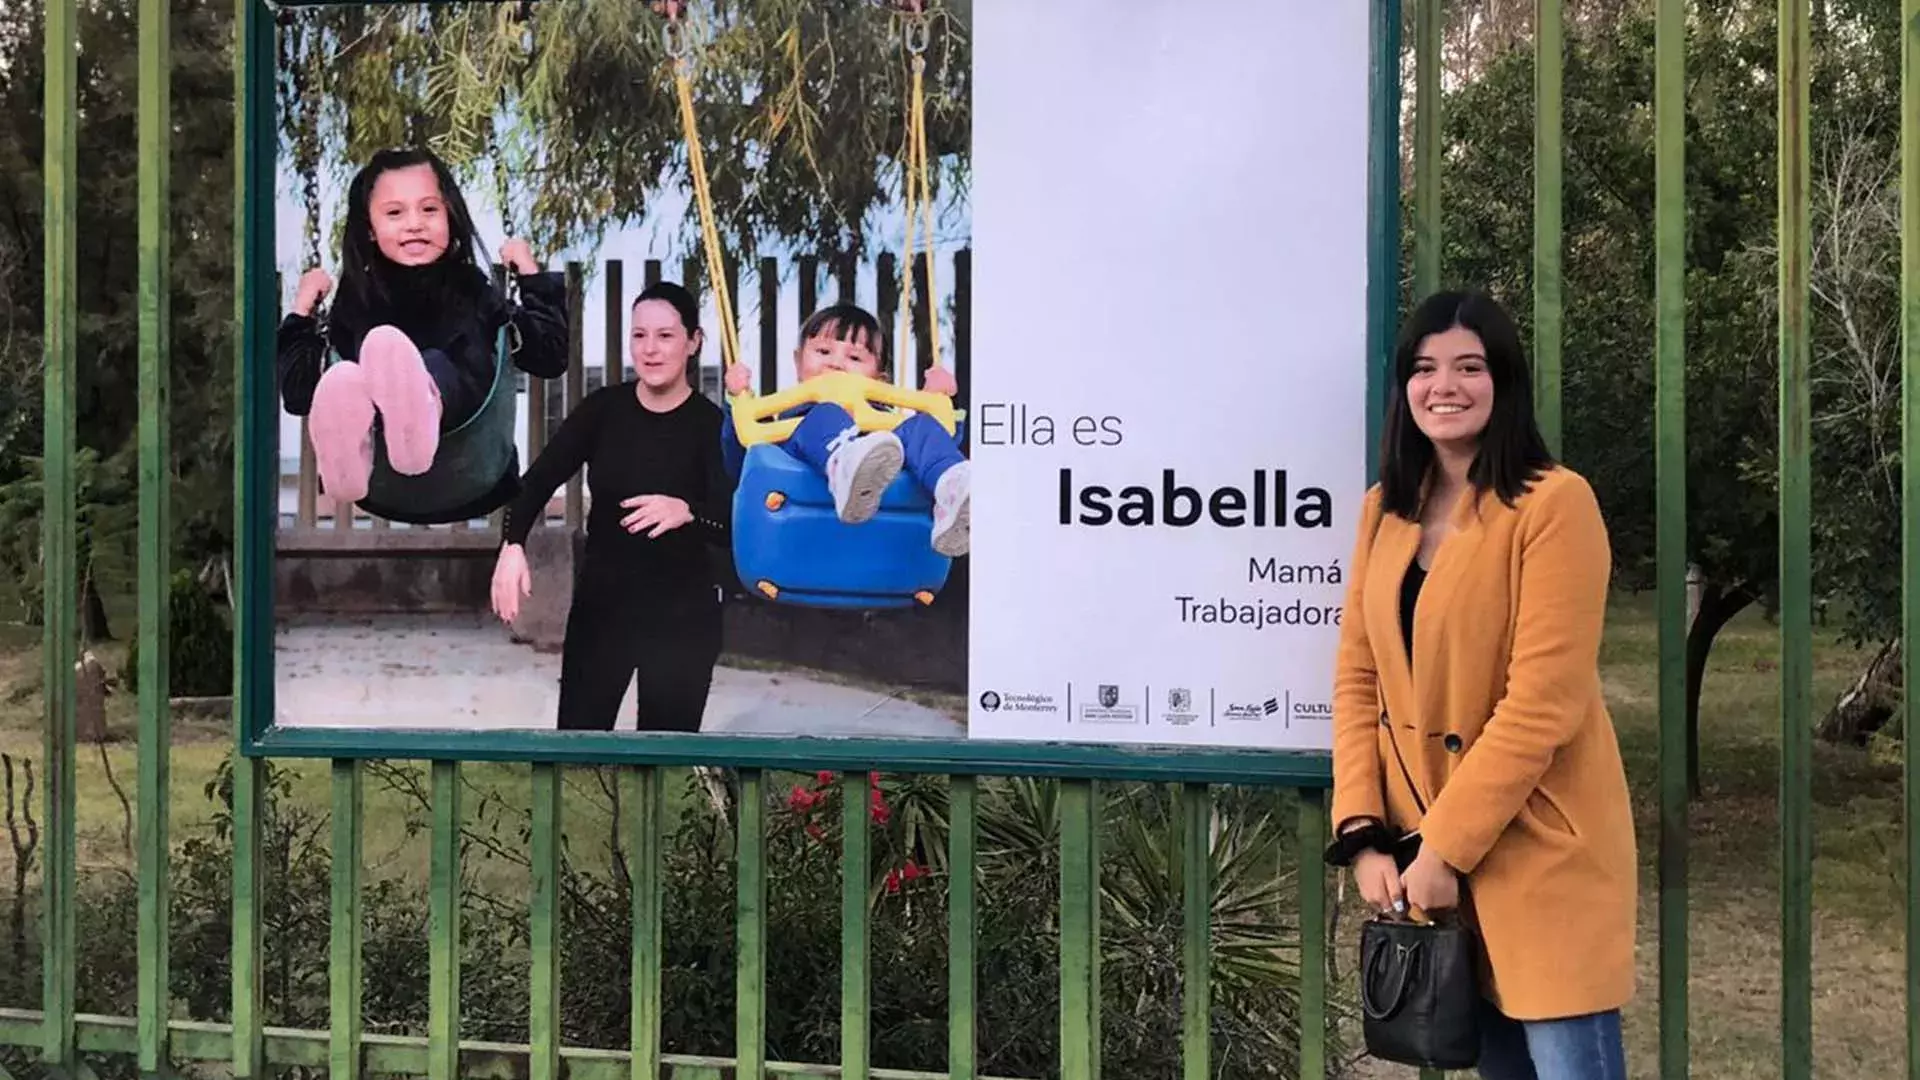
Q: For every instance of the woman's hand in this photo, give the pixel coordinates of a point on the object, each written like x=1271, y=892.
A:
x=1379, y=882
x=517, y=254
x=737, y=378
x=940, y=381
x=1431, y=884
x=314, y=287
x=511, y=582
x=659, y=513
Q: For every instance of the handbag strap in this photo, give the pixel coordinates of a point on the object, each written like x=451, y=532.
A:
x=1404, y=774
x=1379, y=515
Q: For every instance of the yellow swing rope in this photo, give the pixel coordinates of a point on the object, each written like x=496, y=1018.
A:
x=914, y=34
x=697, y=164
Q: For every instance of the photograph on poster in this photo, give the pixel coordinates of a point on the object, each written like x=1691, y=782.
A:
x=817, y=370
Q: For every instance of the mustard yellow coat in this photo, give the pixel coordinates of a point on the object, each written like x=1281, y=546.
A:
x=1502, y=724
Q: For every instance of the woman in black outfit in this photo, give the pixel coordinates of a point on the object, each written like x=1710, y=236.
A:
x=646, y=597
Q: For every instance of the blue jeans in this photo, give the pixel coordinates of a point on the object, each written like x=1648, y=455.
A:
x=1576, y=1048
x=929, y=450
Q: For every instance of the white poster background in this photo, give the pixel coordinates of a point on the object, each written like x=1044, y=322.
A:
x=1170, y=236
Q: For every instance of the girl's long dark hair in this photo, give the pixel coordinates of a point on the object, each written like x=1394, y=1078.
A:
x=421, y=300
x=1512, y=454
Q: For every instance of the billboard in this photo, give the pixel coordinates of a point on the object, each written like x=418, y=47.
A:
x=1025, y=424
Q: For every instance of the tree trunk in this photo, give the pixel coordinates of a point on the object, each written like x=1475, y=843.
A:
x=1717, y=608
x=93, y=612
x=1865, y=706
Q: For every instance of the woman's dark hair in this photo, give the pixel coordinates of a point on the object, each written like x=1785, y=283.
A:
x=682, y=301
x=372, y=287
x=1512, y=451
x=846, y=322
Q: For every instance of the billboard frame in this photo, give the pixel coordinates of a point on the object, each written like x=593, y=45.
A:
x=256, y=505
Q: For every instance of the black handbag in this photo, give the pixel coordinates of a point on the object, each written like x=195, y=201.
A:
x=1419, y=981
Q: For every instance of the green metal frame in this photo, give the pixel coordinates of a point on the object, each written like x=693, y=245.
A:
x=257, y=466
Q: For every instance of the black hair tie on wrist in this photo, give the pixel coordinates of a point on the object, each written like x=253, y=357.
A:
x=1348, y=845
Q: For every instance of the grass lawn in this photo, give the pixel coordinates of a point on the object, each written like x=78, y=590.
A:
x=1859, y=1019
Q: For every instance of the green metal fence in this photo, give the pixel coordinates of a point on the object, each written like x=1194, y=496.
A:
x=344, y=1049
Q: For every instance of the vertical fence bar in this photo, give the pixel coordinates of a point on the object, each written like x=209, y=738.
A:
x=1196, y=881
x=155, y=745
x=1079, y=932
x=256, y=495
x=963, y=328
x=543, y=1028
x=345, y=962
x=59, y=646
x=769, y=325
x=1910, y=492
x=809, y=275
x=616, y=329
x=1670, y=540
x=576, y=376
x=1796, y=586
x=1548, y=65
x=1427, y=26
x=750, y=906
x=962, y=833
x=443, y=921
x=856, y=873
x=1383, y=216
x=641, y=795
x=1313, y=936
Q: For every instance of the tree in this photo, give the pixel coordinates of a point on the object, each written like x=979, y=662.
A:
x=571, y=117
x=202, y=299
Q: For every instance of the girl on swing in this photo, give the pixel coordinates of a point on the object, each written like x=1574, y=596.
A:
x=414, y=328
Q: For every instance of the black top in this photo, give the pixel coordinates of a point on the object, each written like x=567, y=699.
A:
x=458, y=317
x=1410, y=599
x=630, y=450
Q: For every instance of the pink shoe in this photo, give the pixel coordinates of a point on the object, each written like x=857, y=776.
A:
x=340, y=426
x=408, y=401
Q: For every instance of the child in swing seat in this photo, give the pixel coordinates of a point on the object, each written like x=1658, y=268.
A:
x=415, y=327
x=859, y=466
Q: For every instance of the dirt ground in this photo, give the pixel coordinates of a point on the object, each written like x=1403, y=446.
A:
x=464, y=672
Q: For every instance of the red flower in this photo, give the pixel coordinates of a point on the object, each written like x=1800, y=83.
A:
x=801, y=800
x=911, y=870
x=824, y=777
x=814, y=830
x=879, y=811
x=893, y=881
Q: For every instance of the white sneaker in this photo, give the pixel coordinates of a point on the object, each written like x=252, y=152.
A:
x=860, y=470
x=953, y=510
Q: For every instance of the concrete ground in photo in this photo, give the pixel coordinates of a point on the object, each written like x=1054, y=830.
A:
x=463, y=672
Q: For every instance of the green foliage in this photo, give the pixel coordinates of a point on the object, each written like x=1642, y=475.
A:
x=1731, y=314
x=201, y=297
x=1256, y=1005
x=572, y=116
x=199, y=643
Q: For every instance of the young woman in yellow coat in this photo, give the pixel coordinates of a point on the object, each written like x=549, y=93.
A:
x=1469, y=650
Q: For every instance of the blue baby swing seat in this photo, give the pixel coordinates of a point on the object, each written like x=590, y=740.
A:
x=791, y=546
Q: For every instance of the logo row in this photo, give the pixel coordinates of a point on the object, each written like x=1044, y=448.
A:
x=1175, y=707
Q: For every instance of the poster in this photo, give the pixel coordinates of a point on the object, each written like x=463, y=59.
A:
x=527, y=484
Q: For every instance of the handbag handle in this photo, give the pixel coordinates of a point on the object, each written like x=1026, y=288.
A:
x=1368, y=1003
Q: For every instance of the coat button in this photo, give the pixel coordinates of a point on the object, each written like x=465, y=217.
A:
x=1451, y=742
